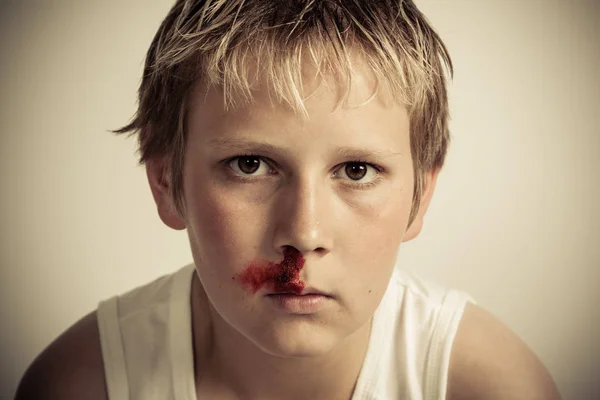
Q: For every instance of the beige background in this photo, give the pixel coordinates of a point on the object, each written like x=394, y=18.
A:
x=515, y=220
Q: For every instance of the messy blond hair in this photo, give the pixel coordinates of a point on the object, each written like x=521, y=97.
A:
x=215, y=42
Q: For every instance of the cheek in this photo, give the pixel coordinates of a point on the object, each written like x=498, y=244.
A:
x=389, y=227
x=372, y=243
x=380, y=225
x=222, y=229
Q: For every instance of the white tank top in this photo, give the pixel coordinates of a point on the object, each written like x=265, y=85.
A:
x=146, y=339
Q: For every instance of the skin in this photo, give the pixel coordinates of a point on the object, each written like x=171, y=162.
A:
x=349, y=238
x=348, y=227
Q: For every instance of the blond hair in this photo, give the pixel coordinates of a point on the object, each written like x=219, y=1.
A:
x=216, y=41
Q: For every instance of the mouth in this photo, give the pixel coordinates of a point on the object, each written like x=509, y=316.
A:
x=305, y=292
x=307, y=302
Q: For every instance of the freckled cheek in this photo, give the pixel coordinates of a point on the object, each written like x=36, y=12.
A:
x=224, y=229
x=379, y=227
x=378, y=240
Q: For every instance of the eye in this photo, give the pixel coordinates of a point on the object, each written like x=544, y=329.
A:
x=356, y=171
x=248, y=165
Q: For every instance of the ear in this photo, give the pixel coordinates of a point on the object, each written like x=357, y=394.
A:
x=430, y=179
x=160, y=185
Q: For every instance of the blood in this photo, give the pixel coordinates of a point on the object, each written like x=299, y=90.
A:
x=283, y=277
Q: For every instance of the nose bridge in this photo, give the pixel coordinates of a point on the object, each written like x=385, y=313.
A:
x=302, y=217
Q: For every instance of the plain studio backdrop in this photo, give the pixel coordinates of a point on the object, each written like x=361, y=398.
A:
x=515, y=220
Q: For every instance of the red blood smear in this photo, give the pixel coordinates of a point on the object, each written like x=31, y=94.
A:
x=283, y=277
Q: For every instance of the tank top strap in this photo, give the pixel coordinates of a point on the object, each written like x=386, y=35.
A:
x=146, y=340
x=412, y=333
x=180, y=336
x=115, y=370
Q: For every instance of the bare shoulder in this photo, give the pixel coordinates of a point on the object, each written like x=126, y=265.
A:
x=489, y=361
x=71, y=367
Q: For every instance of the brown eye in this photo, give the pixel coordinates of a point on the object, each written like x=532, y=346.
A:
x=356, y=171
x=248, y=165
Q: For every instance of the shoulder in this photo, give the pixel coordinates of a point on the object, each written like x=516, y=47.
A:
x=71, y=367
x=489, y=361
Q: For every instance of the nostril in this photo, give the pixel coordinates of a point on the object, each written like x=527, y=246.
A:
x=321, y=251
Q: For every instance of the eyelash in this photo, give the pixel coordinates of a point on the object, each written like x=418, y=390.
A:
x=379, y=169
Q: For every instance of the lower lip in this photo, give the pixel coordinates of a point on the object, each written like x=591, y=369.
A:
x=299, y=304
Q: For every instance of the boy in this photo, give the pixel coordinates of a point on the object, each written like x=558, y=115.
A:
x=299, y=143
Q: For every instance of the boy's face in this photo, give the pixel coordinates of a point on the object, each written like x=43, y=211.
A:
x=335, y=190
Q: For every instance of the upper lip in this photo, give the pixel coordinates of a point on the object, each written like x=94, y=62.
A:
x=310, y=290
x=305, y=291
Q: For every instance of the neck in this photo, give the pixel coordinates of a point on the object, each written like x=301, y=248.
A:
x=231, y=359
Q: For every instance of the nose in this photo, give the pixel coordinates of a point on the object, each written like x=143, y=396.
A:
x=302, y=218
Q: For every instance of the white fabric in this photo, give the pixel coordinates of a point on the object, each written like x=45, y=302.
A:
x=146, y=339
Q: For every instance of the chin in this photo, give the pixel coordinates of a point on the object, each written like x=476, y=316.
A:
x=295, y=339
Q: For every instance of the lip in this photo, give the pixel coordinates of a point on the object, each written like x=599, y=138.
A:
x=312, y=291
x=303, y=304
x=308, y=290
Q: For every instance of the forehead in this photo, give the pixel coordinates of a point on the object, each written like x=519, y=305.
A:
x=311, y=87
x=361, y=119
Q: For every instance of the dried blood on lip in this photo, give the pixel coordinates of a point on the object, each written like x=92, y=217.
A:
x=283, y=277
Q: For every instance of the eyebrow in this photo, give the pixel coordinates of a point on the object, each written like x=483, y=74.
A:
x=222, y=143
